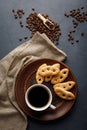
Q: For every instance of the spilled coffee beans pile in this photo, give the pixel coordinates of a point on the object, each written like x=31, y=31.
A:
x=34, y=24
x=78, y=16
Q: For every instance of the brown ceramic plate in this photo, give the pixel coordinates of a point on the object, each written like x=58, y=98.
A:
x=26, y=77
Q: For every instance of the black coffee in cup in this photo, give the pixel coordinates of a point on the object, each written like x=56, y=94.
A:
x=38, y=96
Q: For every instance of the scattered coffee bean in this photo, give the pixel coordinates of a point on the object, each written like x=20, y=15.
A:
x=70, y=37
x=15, y=16
x=78, y=15
x=72, y=43
x=73, y=31
x=77, y=41
x=21, y=24
x=66, y=14
x=25, y=37
x=82, y=34
x=18, y=13
x=13, y=11
x=33, y=9
x=20, y=39
x=82, y=7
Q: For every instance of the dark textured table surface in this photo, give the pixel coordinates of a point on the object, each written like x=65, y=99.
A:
x=10, y=32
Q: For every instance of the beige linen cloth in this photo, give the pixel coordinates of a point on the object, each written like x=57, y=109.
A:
x=11, y=116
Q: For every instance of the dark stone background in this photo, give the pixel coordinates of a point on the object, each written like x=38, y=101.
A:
x=10, y=32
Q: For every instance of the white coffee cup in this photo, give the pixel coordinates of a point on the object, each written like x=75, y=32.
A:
x=38, y=97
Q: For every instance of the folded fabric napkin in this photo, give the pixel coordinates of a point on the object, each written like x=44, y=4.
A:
x=11, y=116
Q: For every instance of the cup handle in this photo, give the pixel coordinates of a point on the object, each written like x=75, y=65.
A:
x=52, y=106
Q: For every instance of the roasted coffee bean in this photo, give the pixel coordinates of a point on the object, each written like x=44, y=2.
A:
x=21, y=25
x=33, y=9
x=72, y=43
x=13, y=11
x=25, y=37
x=20, y=22
x=82, y=7
x=66, y=14
x=15, y=16
x=20, y=39
x=82, y=34
x=77, y=41
x=73, y=31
